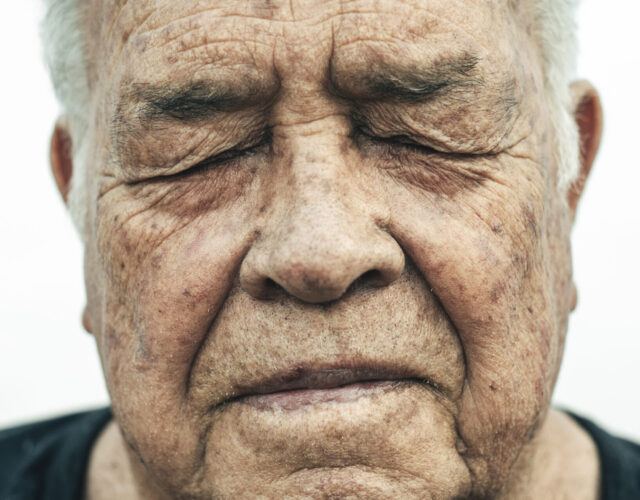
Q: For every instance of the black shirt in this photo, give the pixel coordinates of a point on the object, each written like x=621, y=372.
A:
x=619, y=463
x=48, y=460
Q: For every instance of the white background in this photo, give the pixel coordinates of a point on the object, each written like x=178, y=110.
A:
x=48, y=365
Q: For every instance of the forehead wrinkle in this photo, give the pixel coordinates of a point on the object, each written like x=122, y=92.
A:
x=217, y=10
x=116, y=20
x=140, y=22
x=201, y=39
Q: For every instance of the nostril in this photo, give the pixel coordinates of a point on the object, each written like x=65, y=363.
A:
x=269, y=284
x=272, y=289
x=370, y=279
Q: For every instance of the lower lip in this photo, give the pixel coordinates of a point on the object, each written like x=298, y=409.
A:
x=302, y=398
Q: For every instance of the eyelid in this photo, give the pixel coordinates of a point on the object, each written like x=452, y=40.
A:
x=421, y=147
x=398, y=140
x=223, y=158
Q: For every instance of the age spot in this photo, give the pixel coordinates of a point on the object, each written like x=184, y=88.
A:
x=529, y=217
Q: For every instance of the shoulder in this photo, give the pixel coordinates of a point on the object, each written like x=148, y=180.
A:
x=32, y=455
x=619, y=462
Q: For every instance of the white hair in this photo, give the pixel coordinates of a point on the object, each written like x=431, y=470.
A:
x=555, y=31
x=64, y=43
x=552, y=23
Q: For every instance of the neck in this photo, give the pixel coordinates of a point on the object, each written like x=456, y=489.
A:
x=114, y=472
x=561, y=462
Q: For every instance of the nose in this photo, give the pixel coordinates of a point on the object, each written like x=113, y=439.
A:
x=320, y=244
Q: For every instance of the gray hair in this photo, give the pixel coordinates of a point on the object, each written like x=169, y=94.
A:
x=64, y=43
x=555, y=31
x=553, y=28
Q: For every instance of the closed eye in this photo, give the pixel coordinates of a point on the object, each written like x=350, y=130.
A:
x=399, y=141
x=227, y=158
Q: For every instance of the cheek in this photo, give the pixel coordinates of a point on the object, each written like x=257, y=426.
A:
x=485, y=254
x=164, y=287
x=161, y=285
x=166, y=251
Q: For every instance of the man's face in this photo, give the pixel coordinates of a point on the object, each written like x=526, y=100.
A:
x=326, y=253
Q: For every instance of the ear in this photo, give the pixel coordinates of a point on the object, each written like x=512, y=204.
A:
x=587, y=113
x=61, y=157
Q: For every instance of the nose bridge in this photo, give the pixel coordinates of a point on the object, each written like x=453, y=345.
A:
x=323, y=217
x=319, y=193
x=320, y=235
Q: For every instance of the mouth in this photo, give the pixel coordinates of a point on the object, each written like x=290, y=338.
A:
x=307, y=387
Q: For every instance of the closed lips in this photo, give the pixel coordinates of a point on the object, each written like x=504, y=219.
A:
x=305, y=387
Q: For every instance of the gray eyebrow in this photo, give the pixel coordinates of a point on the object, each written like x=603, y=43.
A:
x=153, y=106
x=412, y=84
x=150, y=105
x=193, y=101
x=199, y=100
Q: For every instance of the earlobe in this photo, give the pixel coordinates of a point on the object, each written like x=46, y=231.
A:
x=587, y=113
x=61, y=157
x=86, y=322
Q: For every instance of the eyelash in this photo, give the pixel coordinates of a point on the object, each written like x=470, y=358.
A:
x=228, y=156
x=397, y=141
x=232, y=155
x=225, y=157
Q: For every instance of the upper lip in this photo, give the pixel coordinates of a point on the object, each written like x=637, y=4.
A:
x=327, y=377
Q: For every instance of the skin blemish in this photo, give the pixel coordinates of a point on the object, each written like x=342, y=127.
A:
x=461, y=447
x=143, y=357
x=126, y=244
x=113, y=339
x=140, y=42
x=155, y=261
x=530, y=219
x=498, y=291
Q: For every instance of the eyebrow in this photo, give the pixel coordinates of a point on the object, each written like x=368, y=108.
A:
x=412, y=84
x=144, y=104
x=186, y=102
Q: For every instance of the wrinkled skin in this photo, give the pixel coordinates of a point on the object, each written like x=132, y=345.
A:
x=322, y=224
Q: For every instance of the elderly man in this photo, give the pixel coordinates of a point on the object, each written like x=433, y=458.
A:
x=327, y=251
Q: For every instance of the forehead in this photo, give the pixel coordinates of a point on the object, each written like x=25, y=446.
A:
x=162, y=40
